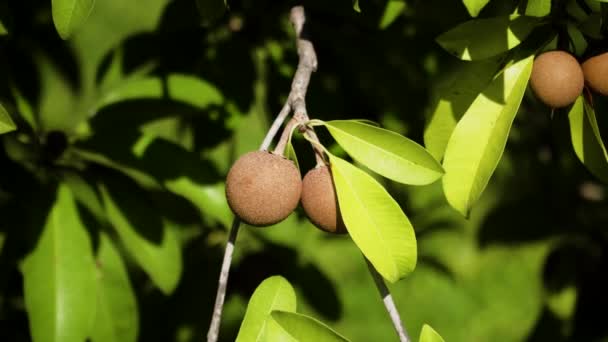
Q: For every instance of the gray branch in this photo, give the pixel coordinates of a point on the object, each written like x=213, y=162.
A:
x=295, y=101
x=389, y=304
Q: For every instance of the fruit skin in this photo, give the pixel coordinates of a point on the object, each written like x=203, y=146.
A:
x=263, y=188
x=320, y=202
x=595, y=70
x=557, y=78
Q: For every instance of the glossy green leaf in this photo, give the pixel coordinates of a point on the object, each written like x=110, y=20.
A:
x=85, y=194
x=454, y=97
x=427, y=334
x=374, y=221
x=538, y=8
x=475, y=6
x=586, y=139
x=6, y=123
x=479, y=139
x=210, y=199
x=274, y=293
x=117, y=317
x=177, y=87
x=60, y=277
x=392, y=11
x=385, y=152
x=482, y=38
x=305, y=328
x=148, y=237
x=69, y=15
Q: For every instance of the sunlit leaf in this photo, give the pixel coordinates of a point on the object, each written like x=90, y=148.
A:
x=427, y=334
x=374, y=221
x=150, y=238
x=586, y=139
x=60, y=277
x=385, y=152
x=538, y=8
x=475, y=6
x=482, y=38
x=274, y=293
x=69, y=15
x=453, y=99
x=356, y=6
x=305, y=328
x=6, y=123
x=393, y=9
x=479, y=139
x=85, y=194
x=117, y=317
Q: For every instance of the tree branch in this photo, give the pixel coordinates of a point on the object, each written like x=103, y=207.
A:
x=295, y=101
x=389, y=304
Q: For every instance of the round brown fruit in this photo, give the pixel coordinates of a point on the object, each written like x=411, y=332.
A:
x=557, y=78
x=595, y=70
x=320, y=202
x=263, y=188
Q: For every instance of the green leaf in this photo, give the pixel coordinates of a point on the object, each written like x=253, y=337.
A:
x=3, y=30
x=356, y=6
x=454, y=97
x=6, y=123
x=538, y=8
x=274, y=293
x=290, y=154
x=117, y=318
x=427, y=334
x=374, y=221
x=59, y=276
x=482, y=38
x=148, y=237
x=479, y=139
x=305, y=328
x=392, y=11
x=385, y=152
x=69, y=15
x=586, y=139
x=475, y=6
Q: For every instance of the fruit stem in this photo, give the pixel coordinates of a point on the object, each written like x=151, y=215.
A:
x=389, y=303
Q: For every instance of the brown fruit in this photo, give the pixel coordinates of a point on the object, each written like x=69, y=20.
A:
x=595, y=70
x=263, y=188
x=557, y=78
x=320, y=202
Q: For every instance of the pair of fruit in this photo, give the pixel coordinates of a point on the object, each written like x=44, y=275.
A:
x=558, y=79
x=263, y=188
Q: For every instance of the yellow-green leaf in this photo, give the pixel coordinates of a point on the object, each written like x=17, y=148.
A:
x=392, y=10
x=274, y=293
x=475, y=6
x=59, y=276
x=427, y=334
x=386, y=152
x=305, y=328
x=586, y=139
x=374, y=221
x=479, y=139
x=69, y=15
x=117, y=317
x=482, y=38
x=538, y=8
x=6, y=123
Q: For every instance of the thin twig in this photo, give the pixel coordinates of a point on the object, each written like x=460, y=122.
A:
x=295, y=101
x=389, y=304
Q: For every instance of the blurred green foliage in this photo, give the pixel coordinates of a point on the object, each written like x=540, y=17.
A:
x=143, y=109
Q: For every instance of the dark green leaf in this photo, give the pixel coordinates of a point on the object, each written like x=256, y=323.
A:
x=479, y=139
x=117, y=318
x=69, y=15
x=586, y=139
x=6, y=123
x=305, y=328
x=60, y=277
x=385, y=152
x=374, y=221
x=538, y=8
x=482, y=38
x=211, y=10
x=274, y=293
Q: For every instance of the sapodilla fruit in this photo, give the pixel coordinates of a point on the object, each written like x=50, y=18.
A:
x=320, y=202
x=263, y=188
x=595, y=70
x=557, y=78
